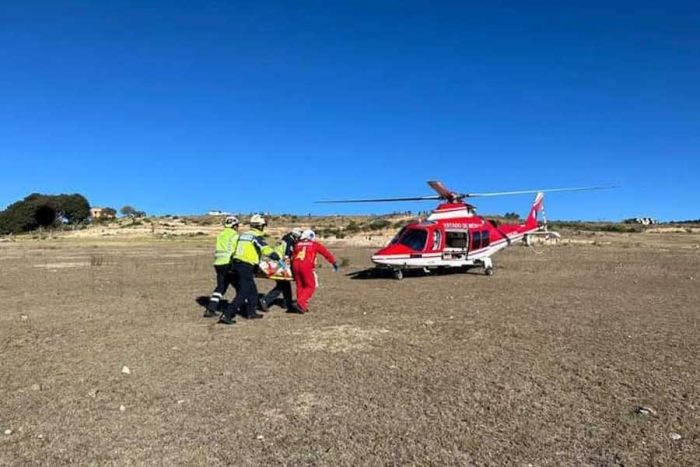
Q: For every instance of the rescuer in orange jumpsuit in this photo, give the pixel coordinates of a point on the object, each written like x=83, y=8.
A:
x=303, y=264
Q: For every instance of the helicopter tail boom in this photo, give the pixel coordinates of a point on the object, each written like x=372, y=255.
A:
x=531, y=221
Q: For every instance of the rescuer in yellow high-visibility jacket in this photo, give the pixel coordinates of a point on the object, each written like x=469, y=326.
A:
x=225, y=246
x=246, y=256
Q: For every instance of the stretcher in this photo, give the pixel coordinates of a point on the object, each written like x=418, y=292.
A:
x=278, y=271
x=275, y=270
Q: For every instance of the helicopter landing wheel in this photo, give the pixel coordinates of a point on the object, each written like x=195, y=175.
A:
x=398, y=274
x=488, y=266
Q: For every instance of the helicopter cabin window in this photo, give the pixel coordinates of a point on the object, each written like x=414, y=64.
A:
x=437, y=239
x=415, y=239
x=476, y=240
x=481, y=239
x=456, y=240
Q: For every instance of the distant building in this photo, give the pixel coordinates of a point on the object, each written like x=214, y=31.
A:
x=101, y=213
x=218, y=213
x=641, y=220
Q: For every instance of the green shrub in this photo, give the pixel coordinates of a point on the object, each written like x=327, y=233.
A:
x=379, y=224
x=352, y=227
x=401, y=224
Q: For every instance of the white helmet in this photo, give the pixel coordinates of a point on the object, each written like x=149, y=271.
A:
x=231, y=221
x=257, y=219
x=308, y=235
x=296, y=231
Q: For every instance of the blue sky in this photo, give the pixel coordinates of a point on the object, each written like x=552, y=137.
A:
x=182, y=107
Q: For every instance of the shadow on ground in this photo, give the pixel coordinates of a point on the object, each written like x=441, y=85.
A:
x=203, y=301
x=379, y=274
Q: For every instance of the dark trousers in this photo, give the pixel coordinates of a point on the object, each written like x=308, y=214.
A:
x=224, y=277
x=247, y=292
x=281, y=287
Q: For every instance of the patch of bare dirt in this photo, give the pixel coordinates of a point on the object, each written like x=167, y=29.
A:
x=345, y=338
x=545, y=363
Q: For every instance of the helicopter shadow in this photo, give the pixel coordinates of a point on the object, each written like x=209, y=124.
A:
x=388, y=274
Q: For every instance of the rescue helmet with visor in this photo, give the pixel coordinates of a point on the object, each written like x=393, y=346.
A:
x=308, y=235
x=231, y=221
x=258, y=220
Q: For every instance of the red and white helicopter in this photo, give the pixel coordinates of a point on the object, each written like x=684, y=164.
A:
x=453, y=235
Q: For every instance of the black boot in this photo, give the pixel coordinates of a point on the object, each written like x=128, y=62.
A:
x=226, y=319
x=212, y=306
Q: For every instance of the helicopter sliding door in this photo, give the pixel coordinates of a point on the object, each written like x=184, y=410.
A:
x=456, y=244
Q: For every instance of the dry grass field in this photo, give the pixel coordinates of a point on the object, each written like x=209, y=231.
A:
x=543, y=364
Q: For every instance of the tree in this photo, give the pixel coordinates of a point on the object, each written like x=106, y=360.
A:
x=45, y=215
x=128, y=211
x=37, y=210
x=32, y=212
x=109, y=212
x=74, y=208
x=17, y=218
x=512, y=216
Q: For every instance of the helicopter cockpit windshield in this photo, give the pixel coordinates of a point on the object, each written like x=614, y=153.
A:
x=398, y=236
x=412, y=238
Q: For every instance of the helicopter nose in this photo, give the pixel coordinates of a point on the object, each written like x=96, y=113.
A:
x=390, y=254
x=392, y=250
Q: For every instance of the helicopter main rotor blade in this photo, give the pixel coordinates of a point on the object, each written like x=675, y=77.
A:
x=524, y=192
x=379, y=200
x=441, y=190
x=450, y=196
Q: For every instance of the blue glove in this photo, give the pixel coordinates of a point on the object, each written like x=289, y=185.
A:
x=274, y=256
x=336, y=266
